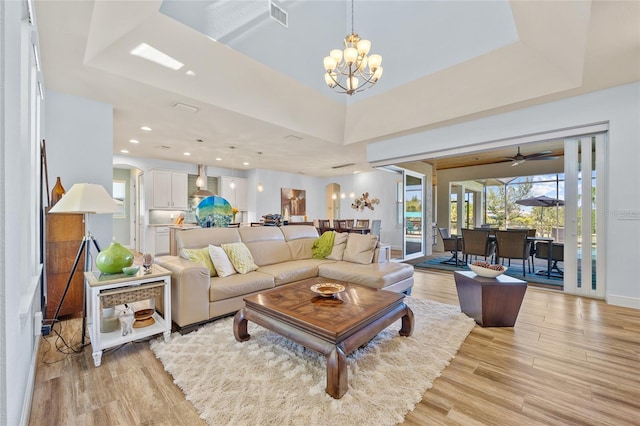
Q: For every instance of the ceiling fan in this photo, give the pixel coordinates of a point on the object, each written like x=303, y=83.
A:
x=519, y=158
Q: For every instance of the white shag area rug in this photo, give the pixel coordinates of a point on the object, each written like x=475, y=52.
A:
x=270, y=380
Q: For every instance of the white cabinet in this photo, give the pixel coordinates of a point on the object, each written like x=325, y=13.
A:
x=169, y=190
x=237, y=196
x=161, y=241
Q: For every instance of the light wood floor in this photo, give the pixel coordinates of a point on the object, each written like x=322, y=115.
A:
x=568, y=360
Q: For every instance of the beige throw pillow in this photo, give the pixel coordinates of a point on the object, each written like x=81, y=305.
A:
x=339, y=244
x=360, y=248
x=221, y=261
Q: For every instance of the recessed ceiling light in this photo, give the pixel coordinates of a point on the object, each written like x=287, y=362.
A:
x=190, y=73
x=218, y=159
x=187, y=153
x=246, y=163
x=143, y=50
x=124, y=151
x=145, y=128
x=134, y=141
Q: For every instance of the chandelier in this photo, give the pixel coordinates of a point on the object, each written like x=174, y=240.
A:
x=352, y=70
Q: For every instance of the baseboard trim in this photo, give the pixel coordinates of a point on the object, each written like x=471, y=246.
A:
x=31, y=381
x=623, y=301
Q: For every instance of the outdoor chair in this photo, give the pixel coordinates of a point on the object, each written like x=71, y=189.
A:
x=557, y=255
x=452, y=244
x=513, y=245
x=476, y=242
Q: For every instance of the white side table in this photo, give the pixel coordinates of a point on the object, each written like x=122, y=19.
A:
x=127, y=289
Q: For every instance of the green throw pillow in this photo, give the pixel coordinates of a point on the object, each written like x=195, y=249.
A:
x=202, y=257
x=240, y=257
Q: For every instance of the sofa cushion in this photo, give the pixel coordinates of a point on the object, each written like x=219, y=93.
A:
x=375, y=275
x=202, y=237
x=267, y=244
x=238, y=285
x=360, y=248
x=295, y=270
x=300, y=239
x=200, y=256
x=339, y=244
x=240, y=257
x=221, y=261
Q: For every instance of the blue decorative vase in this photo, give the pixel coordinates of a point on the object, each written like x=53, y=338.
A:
x=114, y=258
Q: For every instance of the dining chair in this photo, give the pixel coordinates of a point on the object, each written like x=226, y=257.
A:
x=375, y=227
x=234, y=225
x=349, y=222
x=513, y=244
x=452, y=244
x=476, y=242
x=323, y=225
x=362, y=223
x=256, y=223
x=341, y=225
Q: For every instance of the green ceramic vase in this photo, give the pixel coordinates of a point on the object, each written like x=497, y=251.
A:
x=114, y=258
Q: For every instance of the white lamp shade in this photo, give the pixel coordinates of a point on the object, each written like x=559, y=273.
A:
x=352, y=83
x=377, y=74
x=374, y=62
x=86, y=198
x=364, y=46
x=329, y=63
x=336, y=54
x=330, y=81
x=350, y=55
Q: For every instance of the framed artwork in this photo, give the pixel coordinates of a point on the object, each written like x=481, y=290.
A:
x=293, y=202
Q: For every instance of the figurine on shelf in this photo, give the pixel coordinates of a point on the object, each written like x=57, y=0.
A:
x=147, y=262
x=126, y=320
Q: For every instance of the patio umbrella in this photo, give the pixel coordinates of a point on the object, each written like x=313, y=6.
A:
x=541, y=201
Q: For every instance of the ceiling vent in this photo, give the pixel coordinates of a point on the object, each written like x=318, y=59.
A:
x=278, y=14
x=343, y=165
x=185, y=107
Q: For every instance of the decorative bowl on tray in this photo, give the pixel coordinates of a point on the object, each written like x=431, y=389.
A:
x=487, y=270
x=327, y=289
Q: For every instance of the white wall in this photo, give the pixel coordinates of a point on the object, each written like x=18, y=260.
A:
x=620, y=108
x=79, y=135
x=19, y=176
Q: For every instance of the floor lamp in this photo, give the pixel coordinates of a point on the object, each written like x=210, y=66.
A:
x=83, y=198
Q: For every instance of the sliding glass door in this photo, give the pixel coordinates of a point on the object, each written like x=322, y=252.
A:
x=584, y=162
x=414, y=224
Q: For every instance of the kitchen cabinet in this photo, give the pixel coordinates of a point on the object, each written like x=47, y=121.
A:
x=161, y=246
x=169, y=190
x=237, y=197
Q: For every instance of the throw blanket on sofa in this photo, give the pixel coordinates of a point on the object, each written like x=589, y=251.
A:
x=323, y=245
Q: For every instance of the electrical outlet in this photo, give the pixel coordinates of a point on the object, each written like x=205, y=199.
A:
x=46, y=329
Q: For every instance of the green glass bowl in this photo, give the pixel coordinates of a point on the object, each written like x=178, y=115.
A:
x=131, y=270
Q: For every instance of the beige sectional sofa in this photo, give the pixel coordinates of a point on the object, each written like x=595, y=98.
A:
x=283, y=255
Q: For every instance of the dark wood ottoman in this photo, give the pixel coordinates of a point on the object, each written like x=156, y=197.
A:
x=492, y=302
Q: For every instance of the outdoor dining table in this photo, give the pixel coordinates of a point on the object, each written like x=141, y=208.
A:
x=548, y=240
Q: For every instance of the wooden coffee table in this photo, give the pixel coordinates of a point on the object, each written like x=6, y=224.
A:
x=334, y=327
